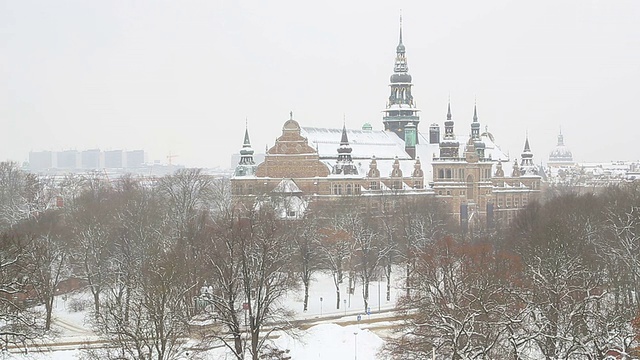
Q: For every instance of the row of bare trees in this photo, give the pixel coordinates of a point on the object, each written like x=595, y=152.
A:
x=560, y=283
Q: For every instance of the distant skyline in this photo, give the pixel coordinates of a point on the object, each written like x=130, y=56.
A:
x=180, y=78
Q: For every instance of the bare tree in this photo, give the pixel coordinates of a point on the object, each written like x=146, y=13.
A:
x=306, y=250
x=45, y=237
x=460, y=305
x=368, y=250
x=20, y=323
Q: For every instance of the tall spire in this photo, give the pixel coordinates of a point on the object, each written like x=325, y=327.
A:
x=400, y=43
x=401, y=109
x=449, y=111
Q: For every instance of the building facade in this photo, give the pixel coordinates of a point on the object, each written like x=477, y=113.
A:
x=477, y=181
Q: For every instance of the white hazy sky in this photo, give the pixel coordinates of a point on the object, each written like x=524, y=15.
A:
x=180, y=77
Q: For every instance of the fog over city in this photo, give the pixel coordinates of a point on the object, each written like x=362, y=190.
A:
x=182, y=78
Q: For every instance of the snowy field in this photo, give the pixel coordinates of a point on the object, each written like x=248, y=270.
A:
x=326, y=340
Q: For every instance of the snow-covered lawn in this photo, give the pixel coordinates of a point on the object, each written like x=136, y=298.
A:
x=326, y=340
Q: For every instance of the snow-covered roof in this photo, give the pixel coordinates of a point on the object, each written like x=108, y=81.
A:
x=386, y=146
x=364, y=143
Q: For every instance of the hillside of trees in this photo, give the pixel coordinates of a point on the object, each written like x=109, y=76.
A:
x=560, y=282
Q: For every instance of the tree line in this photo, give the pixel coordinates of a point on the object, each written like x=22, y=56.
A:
x=157, y=255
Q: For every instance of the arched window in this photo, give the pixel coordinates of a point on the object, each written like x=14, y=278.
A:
x=441, y=174
x=470, y=193
x=349, y=189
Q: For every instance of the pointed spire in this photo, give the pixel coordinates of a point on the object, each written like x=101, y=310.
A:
x=246, y=153
x=475, y=113
x=345, y=139
x=449, y=110
x=400, y=27
x=246, y=143
x=526, y=144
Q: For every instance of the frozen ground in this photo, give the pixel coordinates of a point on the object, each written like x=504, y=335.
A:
x=327, y=340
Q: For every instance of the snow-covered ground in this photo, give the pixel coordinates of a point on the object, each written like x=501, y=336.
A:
x=326, y=340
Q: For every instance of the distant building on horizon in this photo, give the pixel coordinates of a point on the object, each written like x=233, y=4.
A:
x=86, y=160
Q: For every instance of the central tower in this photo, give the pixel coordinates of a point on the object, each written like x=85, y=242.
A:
x=400, y=110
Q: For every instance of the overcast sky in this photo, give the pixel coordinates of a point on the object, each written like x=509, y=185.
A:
x=181, y=77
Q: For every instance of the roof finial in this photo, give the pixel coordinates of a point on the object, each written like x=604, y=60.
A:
x=291, y=115
x=400, y=26
x=449, y=110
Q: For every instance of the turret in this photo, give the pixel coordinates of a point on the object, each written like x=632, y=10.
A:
x=449, y=146
x=344, y=164
x=401, y=109
x=246, y=166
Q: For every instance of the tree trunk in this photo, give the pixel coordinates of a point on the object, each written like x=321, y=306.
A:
x=306, y=293
x=255, y=338
x=337, y=297
x=388, y=273
x=49, y=310
x=407, y=282
x=365, y=293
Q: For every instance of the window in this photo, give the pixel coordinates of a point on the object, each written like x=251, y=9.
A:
x=448, y=173
x=515, y=202
x=291, y=213
x=440, y=174
x=508, y=204
x=397, y=184
x=349, y=188
x=373, y=185
x=249, y=189
x=417, y=185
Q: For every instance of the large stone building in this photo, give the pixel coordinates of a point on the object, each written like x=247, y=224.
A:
x=471, y=174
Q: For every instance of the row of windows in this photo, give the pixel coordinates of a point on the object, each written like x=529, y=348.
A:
x=515, y=202
x=397, y=184
x=460, y=173
x=345, y=189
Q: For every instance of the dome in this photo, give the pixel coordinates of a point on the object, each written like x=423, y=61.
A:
x=561, y=153
x=400, y=48
x=400, y=78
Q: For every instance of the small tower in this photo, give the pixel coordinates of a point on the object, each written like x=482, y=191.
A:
x=475, y=134
x=246, y=166
x=401, y=109
x=516, y=169
x=344, y=165
x=449, y=146
x=499, y=171
x=527, y=167
x=373, y=168
x=417, y=175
